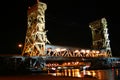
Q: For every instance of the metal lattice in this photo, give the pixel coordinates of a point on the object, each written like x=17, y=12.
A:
x=36, y=34
x=100, y=36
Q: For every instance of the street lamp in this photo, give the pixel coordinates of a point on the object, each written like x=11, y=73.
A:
x=20, y=47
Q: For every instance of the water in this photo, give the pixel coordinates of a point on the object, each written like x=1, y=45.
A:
x=109, y=74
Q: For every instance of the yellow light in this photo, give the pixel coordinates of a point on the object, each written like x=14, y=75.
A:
x=83, y=51
x=20, y=45
x=97, y=52
x=76, y=51
x=63, y=49
x=58, y=49
x=87, y=51
x=93, y=51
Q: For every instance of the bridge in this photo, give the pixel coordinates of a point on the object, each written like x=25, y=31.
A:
x=36, y=39
x=38, y=53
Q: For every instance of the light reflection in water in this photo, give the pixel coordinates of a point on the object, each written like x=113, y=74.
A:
x=99, y=74
x=68, y=72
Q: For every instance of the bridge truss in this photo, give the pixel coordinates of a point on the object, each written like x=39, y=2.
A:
x=66, y=52
x=100, y=36
x=36, y=38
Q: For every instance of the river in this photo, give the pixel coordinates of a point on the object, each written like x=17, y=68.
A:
x=109, y=74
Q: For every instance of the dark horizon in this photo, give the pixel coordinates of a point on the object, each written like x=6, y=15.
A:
x=67, y=23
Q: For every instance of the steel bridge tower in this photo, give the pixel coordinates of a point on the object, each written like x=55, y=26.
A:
x=36, y=38
x=100, y=36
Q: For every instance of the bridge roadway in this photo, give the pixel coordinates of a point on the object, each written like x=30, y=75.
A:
x=39, y=62
x=82, y=59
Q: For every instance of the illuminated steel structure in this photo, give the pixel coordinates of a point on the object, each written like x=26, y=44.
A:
x=36, y=38
x=100, y=36
x=64, y=51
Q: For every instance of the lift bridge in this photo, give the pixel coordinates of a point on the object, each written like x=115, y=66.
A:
x=37, y=45
x=36, y=38
x=38, y=51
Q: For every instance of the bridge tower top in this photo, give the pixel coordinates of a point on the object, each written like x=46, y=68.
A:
x=36, y=38
x=100, y=36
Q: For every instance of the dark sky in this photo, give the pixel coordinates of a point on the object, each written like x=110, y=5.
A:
x=67, y=22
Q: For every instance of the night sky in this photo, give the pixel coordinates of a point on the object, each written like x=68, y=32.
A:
x=67, y=22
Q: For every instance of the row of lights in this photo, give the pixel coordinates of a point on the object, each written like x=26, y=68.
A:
x=82, y=50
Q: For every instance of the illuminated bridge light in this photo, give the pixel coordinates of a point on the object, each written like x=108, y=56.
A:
x=93, y=51
x=83, y=51
x=97, y=52
x=63, y=49
x=76, y=51
x=87, y=51
x=58, y=50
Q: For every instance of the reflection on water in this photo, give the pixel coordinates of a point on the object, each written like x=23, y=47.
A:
x=110, y=74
